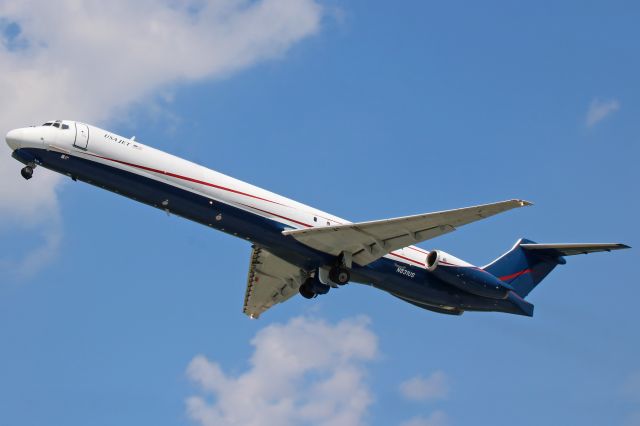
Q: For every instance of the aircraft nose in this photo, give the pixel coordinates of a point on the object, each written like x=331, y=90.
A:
x=14, y=138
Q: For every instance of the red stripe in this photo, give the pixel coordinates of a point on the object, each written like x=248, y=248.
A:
x=150, y=169
x=277, y=215
x=418, y=250
x=406, y=258
x=515, y=275
x=208, y=184
x=201, y=182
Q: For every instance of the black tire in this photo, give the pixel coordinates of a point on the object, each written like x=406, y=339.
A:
x=306, y=292
x=27, y=172
x=339, y=275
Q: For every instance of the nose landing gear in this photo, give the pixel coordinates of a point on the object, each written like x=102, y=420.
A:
x=27, y=172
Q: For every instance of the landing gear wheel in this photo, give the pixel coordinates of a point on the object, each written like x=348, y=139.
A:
x=306, y=292
x=339, y=275
x=27, y=172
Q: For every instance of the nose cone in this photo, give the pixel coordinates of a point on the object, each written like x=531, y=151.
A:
x=14, y=138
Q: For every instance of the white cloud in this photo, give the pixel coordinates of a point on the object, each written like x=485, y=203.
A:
x=418, y=388
x=21, y=268
x=437, y=418
x=88, y=60
x=303, y=372
x=599, y=110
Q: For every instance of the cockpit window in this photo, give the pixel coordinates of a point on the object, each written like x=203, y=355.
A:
x=58, y=123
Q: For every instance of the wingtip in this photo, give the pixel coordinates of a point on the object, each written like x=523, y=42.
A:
x=523, y=203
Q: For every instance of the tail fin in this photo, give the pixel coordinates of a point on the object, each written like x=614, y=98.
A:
x=521, y=269
x=527, y=263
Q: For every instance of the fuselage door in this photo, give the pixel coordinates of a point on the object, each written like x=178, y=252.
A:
x=82, y=136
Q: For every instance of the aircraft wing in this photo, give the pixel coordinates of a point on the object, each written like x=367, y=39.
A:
x=271, y=280
x=572, y=249
x=368, y=241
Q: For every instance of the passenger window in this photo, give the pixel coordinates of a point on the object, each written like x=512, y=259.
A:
x=47, y=124
x=65, y=126
x=56, y=125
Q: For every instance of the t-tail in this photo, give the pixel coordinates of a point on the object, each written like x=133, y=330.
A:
x=528, y=263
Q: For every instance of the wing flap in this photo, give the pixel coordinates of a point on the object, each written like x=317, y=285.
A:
x=271, y=280
x=368, y=241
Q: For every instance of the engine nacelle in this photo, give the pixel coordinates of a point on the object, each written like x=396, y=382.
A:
x=465, y=276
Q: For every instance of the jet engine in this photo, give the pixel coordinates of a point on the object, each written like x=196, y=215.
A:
x=465, y=276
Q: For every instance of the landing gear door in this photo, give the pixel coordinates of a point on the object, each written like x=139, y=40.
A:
x=82, y=136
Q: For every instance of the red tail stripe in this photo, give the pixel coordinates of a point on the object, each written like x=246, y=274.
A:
x=515, y=275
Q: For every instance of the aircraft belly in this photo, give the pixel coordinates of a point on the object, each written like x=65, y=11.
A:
x=425, y=289
x=384, y=275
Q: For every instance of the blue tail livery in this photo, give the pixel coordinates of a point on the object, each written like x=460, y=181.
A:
x=528, y=263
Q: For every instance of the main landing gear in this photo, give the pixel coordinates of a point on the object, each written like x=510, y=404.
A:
x=27, y=172
x=313, y=285
x=306, y=290
x=339, y=272
x=339, y=275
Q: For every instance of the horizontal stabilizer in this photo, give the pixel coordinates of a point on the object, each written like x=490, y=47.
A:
x=528, y=263
x=572, y=249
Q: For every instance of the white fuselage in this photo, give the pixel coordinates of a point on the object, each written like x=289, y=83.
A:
x=112, y=150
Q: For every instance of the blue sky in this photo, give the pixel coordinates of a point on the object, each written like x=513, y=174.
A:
x=380, y=110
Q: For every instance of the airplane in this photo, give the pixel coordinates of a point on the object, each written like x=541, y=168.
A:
x=297, y=249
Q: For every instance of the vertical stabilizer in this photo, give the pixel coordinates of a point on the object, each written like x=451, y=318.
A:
x=523, y=269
